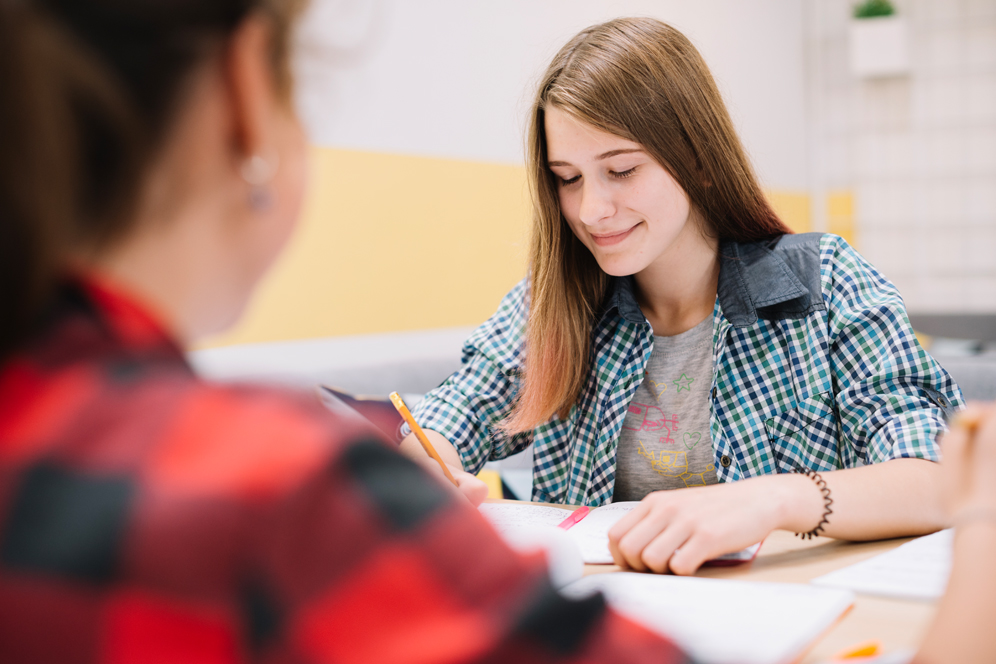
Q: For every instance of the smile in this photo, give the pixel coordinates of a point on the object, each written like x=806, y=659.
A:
x=614, y=238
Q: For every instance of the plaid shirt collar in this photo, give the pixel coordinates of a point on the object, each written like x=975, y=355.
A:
x=751, y=277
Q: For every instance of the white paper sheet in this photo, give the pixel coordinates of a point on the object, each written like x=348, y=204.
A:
x=592, y=534
x=722, y=622
x=506, y=517
x=916, y=570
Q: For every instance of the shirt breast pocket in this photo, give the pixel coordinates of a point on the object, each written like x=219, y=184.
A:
x=806, y=436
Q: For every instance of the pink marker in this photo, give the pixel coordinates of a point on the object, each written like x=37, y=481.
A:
x=575, y=516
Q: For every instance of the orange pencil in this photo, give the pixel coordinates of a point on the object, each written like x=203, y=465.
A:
x=399, y=403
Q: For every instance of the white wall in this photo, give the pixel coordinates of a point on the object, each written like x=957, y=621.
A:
x=919, y=150
x=453, y=78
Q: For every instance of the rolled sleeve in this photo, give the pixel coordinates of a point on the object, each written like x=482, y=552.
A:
x=468, y=407
x=892, y=396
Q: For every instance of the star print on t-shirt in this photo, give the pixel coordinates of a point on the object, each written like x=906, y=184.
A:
x=684, y=383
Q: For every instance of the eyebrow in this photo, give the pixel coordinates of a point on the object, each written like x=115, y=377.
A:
x=604, y=155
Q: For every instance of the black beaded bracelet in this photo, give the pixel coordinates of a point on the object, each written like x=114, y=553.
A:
x=827, y=501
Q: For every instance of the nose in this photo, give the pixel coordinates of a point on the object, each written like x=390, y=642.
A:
x=596, y=202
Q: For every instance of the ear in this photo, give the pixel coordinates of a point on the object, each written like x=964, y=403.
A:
x=248, y=75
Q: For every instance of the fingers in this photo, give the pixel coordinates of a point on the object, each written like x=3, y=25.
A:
x=969, y=457
x=659, y=554
x=646, y=538
x=697, y=549
x=971, y=416
x=984, y=429
x=954, y=443
x=471, y=488
x=625, y=524
x=621, y=529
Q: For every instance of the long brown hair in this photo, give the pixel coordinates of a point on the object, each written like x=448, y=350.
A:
x=88, y=90
x=642, y=80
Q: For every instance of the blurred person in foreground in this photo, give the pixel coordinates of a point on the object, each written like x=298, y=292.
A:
x=963, y=630
x=151, y=168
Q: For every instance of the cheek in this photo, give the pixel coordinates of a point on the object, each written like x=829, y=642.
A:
x=669, y=199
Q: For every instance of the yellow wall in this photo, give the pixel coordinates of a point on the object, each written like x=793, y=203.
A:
x=390, y=243
x=793, y=208
x=840, y=215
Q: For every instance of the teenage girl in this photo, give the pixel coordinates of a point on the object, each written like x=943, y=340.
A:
x=673, y=334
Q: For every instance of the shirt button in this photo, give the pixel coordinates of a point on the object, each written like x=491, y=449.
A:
x=725, y=460
x=942, y=401
x=714, y=392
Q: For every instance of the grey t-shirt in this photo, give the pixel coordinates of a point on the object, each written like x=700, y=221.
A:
x=665, y=441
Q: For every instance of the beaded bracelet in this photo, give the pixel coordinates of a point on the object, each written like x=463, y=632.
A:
x=827, y=501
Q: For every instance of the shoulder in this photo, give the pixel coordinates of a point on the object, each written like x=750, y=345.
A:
x=849, y=277
x=825, y=262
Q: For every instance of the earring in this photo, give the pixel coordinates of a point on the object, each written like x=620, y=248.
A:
x=257, y=171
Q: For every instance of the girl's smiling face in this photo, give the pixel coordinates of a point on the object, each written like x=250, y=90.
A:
x=622, y=204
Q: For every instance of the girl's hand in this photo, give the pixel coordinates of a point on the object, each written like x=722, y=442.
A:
x=679, y=530
x=471, y=488
x=969, y=462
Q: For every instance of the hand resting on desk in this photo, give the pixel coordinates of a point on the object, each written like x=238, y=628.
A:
x=889, y=499
x=705, y=522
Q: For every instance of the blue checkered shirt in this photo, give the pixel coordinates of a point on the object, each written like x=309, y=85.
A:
x=816, y=366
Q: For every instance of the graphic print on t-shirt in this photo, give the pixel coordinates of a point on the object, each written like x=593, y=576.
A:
x=657, y=389
x=684, y=383
x=665, y=442
x=643, y=417
x=668, y=463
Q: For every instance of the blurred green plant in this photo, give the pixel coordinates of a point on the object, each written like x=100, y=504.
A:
x=873, y=8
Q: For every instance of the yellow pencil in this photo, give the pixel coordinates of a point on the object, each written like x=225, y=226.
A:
x=399, y=403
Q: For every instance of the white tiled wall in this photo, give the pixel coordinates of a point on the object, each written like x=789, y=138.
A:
x=918, y=150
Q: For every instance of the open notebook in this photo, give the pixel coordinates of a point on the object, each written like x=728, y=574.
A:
x=721, y=622
x=590, y=534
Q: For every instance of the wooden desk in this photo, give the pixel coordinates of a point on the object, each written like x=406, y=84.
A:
x=898, y=624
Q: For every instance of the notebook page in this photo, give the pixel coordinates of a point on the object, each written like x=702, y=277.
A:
x=918, y=569
x=723, y=622
x=592, y=533
x=506, y=517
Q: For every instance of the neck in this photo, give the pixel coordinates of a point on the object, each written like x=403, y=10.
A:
x=678, y=291
x=175, y=263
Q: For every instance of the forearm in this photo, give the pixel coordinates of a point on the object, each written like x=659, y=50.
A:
x=962, y=631
x=411, y=448
x=890, y=499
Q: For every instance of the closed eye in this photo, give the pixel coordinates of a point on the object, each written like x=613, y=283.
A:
x=619, y=175
x=569, y=181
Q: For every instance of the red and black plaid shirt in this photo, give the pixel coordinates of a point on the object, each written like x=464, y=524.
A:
x=148, y=516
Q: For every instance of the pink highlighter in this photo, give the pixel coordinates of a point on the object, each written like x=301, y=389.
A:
x=575, y=516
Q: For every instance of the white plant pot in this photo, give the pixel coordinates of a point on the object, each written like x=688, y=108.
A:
x=880, y=47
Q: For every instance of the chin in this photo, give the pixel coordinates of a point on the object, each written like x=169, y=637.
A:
x=223, y=319
x=618, y=268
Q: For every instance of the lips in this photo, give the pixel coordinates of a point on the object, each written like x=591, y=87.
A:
x=609, y=239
